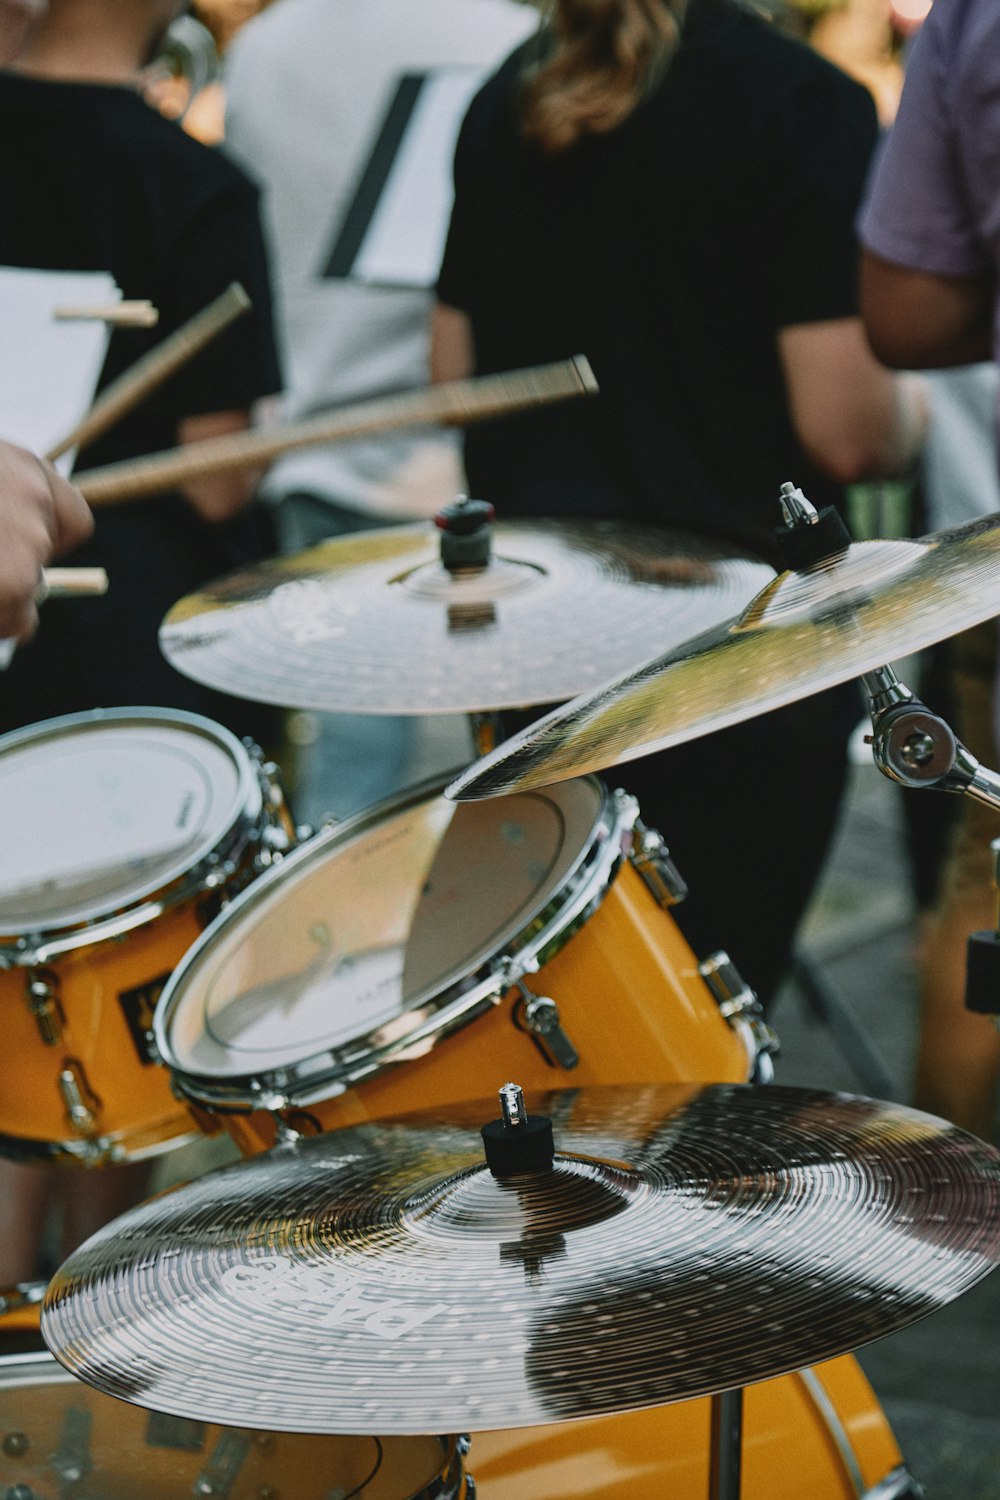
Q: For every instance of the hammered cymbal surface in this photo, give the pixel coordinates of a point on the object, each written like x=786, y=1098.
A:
x=373, y=623
x=379, y=1278
x=804, y=632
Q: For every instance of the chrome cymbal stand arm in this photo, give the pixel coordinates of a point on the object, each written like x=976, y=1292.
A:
x=916, y=748
x=726, y=1445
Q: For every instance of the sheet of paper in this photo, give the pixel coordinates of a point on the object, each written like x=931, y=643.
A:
x=49, y=368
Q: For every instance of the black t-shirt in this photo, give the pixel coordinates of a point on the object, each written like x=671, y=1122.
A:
x=92, y=179
x=671, y=252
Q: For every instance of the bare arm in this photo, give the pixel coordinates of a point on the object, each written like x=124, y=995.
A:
x=854, y=418
x=218, y=497
x=17, y=17
x=919, y=320
x=41, y=515
x=453, y=355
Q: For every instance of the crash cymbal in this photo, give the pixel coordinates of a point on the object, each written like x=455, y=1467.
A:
x=380, y=1279
x=374, y=623
x=804, y=632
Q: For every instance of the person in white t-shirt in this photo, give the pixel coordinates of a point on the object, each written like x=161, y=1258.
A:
x=323, y=97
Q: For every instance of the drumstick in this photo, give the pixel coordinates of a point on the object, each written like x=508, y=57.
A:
x=457, y=401
x=136, y=314
x=140, y=379
x=58, y=583
x=63, y=583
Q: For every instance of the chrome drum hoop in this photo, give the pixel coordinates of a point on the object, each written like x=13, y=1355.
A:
x=260, y=820
x=332, y=1070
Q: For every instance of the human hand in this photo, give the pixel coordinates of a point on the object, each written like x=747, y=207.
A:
x=41, y=516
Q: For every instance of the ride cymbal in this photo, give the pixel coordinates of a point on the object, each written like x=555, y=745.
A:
x=804, y=632
x=380, y=1279
x=375, y=623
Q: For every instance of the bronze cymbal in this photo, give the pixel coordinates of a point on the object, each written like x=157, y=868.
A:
x=380, y=1279
x=374, y=623
x=804, y=632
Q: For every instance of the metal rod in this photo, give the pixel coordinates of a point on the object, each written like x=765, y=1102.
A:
x=726, y=1445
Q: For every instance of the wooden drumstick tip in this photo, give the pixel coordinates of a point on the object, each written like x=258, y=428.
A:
x=77, y=583
x=135, y=314
x=588, y=380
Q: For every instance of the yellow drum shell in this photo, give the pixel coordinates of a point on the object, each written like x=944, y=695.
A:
x=791, y=1447
x=104, y=995
x=630, y=998
x=49, y=1421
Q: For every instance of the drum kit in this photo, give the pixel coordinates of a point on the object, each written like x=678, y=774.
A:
x=585, y=1288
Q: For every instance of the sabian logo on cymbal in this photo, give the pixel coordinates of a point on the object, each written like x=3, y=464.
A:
x=325, y=1296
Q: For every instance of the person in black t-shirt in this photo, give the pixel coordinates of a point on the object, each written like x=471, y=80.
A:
x=93, y=179
x=680, y=209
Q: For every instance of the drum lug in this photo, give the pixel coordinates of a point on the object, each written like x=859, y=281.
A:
x=43, y=1002
x=540, y=1016
x=741, y=1008
x=651, y=859
x=82, y=1104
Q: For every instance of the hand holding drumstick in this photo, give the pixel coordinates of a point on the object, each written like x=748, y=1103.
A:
x=41, y=516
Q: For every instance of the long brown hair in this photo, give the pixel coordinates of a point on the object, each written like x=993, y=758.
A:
x=608, y=54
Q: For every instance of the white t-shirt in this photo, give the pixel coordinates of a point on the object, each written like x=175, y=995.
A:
x=312, y=86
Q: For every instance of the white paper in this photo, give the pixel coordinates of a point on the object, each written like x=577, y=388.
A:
x=49, y=369
x=405, y=239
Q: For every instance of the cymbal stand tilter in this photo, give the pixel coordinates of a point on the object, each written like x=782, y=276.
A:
x=808, y=538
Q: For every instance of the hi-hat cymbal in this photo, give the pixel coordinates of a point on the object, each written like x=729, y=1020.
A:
x=380, y=1279
x=804, y=632
x=374, y=623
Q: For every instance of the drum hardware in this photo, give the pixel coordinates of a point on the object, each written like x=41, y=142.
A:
x=42, y=994
x=739, y=1006
x=83, y=1108
x=539, y=1015
x=360, y=623
x=651, y=858
x=809, y=630
x=20, y=1297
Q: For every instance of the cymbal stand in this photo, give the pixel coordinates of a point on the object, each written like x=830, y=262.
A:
x=726, y=1445
x=916, y=748
x=487, y=732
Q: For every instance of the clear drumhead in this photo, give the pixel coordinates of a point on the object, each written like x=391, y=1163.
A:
x=102, y=809
x=355, y=932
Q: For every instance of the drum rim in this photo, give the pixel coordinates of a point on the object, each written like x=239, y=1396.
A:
x=542, y=932
x=23, y=945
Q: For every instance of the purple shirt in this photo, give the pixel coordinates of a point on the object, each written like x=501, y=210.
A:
x=933, y=203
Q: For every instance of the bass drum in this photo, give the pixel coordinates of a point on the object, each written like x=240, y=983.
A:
x=122, y=831
x=426, y=952
x=819, y=1432
x=59, y=1437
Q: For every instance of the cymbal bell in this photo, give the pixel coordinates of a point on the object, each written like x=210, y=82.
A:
x=380, y=1279
x=806, y=631
x=375, y=623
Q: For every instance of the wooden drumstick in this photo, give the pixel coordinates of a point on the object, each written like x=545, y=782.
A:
x=458, y=402
x=142, y=378
x=77, y=583
x=135, y=314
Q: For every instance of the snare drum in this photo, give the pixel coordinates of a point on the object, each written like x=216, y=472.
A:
x=122, y=829
x=527, y=937
x=59, y=1437
x=819, y=1432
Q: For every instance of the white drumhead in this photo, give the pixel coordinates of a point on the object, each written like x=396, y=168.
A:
x=101, y=810
x=352, y=933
